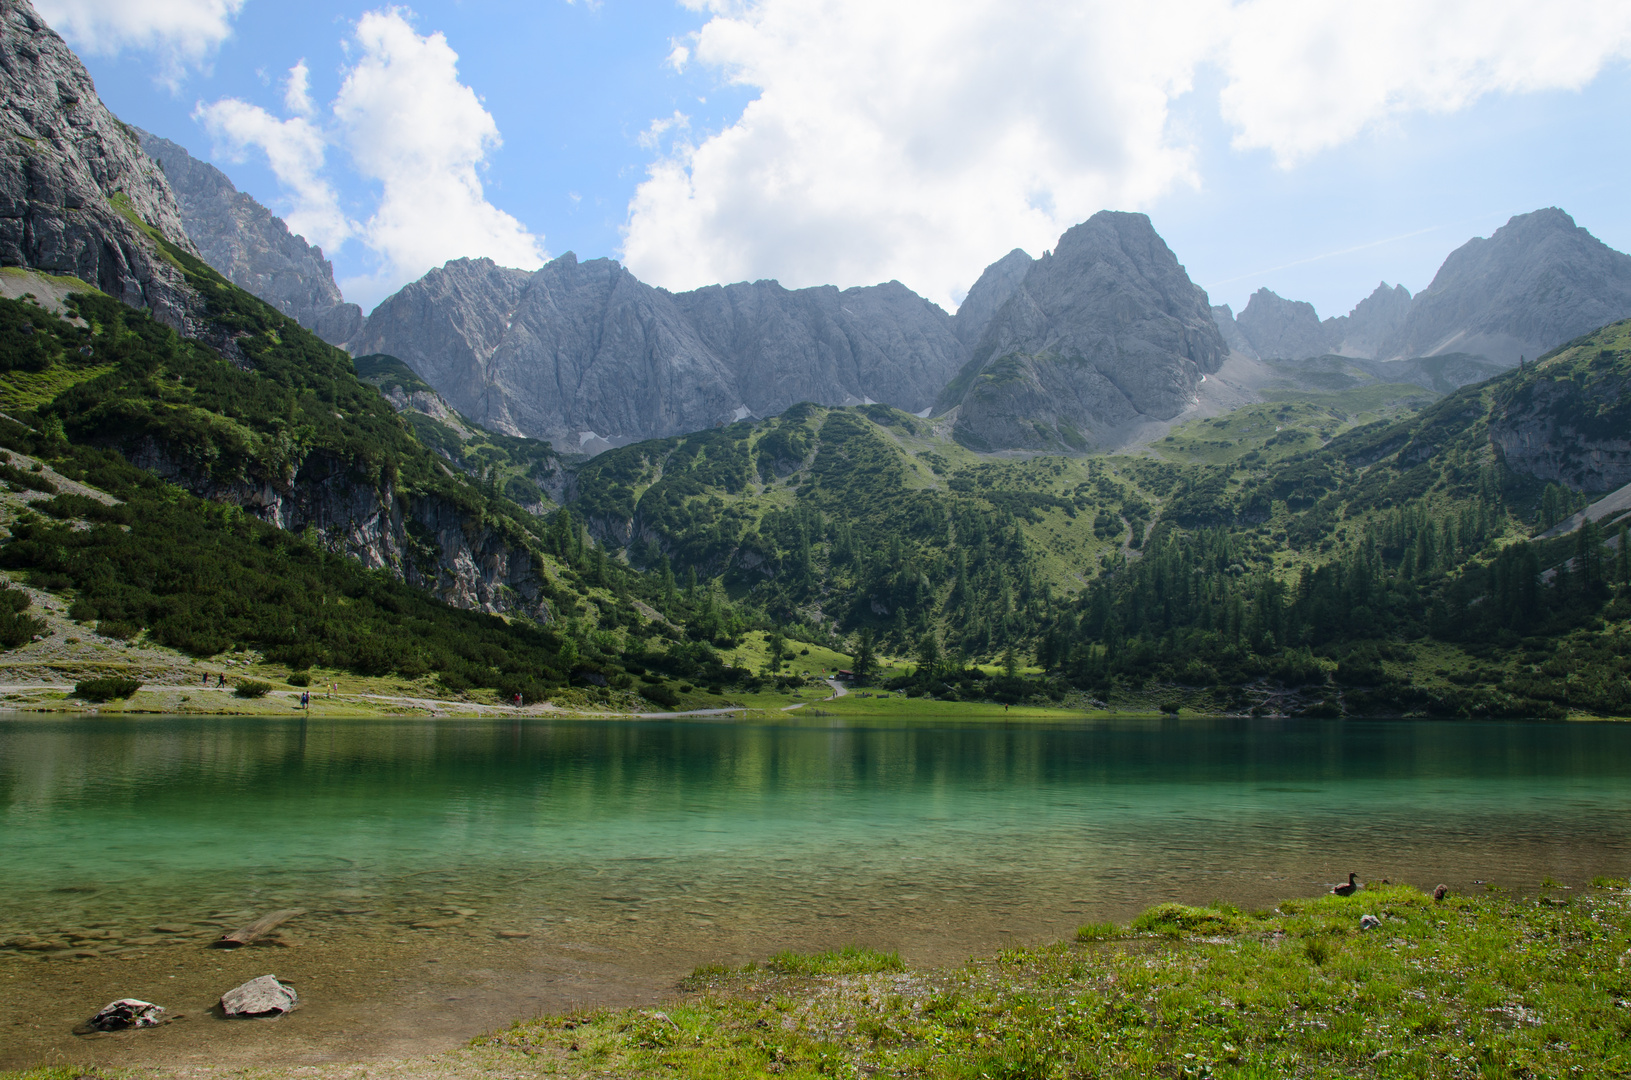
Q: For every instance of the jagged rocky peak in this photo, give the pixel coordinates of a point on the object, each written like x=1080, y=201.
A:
x=586, y=355
x=1539, y=281
x=75, y=187
x=1282, y=329
x=989, y=293
x=251, y=246
x=1104, y=333
x=1233, y=336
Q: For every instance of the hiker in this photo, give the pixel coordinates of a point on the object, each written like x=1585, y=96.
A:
x=206, y=678
x=221, y=679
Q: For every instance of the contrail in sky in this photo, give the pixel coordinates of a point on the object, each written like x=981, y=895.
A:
x=1327, y=255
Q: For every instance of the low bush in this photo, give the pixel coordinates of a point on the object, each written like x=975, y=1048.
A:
x=299, y=678
x=251, y=688
x=106, y=689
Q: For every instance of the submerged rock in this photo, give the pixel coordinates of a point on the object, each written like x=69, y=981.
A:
x=264, y=996
x=124, y=1013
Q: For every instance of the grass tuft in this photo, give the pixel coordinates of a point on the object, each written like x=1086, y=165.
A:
x=850, y=960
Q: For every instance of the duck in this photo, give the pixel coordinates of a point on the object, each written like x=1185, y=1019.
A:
x=1440, y=892
x=1348, y=889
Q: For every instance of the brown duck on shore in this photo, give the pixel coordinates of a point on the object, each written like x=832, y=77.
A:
x=1348, y=889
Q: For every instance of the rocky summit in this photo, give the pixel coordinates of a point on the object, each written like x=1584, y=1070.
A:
x=1103, y=334
x=251, y=246
x=1538, y=282
x=588, y=356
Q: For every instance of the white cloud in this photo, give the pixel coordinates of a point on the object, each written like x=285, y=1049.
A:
x=297, y=90
x=411, y=125
x=1304, y=77
x=920, y=139
x=181, y=32
x=295, y=151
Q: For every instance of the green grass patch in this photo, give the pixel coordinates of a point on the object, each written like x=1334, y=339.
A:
x=850, y=960
x=1493, y=986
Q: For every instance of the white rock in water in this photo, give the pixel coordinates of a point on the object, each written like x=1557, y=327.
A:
x=264, y=996
x=126, y=1013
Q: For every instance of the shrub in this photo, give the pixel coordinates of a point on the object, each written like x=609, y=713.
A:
x=106, y=689
x=300, y=678
x=660, y=694
x=252, y=688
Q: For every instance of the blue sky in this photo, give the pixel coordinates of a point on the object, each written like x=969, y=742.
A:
x=1314, y=149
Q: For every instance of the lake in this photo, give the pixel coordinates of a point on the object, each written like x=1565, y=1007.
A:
x=630, y=852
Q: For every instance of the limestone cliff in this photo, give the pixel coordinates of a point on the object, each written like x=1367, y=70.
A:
x=251, y=246
x=586, y=355
x=1568, y=418
x=75, y=187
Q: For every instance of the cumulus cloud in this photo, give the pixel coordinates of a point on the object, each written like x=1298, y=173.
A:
x=412, y=126
x=181, y=32
x=1304, y=77
x=295, y=150
x=920, y=139
x=297, y=90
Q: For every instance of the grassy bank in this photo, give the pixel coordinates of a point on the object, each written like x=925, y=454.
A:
x=1485, y=986
x=1491, y=985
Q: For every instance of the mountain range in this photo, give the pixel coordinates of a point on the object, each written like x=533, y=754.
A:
x=188, y=466
x=1099, y=343
x=1539, y=281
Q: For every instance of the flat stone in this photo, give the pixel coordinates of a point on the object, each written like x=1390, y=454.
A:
x=124, y=1013
x=264, y=996
x=165, y=928
x=514, y=934
x=436, y=924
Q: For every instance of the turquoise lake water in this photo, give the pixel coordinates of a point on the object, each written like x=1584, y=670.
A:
x=628, y=852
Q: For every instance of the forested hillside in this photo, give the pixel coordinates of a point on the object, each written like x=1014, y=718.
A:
x=1285, y=565
x=201, y=455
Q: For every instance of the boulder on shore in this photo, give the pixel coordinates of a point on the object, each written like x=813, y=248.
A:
x=122, y=1014
x=264, y=996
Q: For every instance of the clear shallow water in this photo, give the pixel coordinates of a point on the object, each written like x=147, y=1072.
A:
x=630, y=852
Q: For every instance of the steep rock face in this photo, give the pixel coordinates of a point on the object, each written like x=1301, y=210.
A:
x=1282, y=329
x=1568, y=419
x=446, y=327
x=1539, y=281
x=989, y=293
x=587, y=356
x=1363, y=331
x=782, y=346
x=251, y=247
x=72, y=177
x=426, y=541
x=1104, y=333
x=1233, y=336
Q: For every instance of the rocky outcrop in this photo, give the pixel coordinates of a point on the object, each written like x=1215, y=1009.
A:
x=425, y=540
x=253, y=248
x=587, y=356
x=1568, y=420
x=75, y=187
x=1104, y=333
x=1281, y=329
x=1539, y=281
